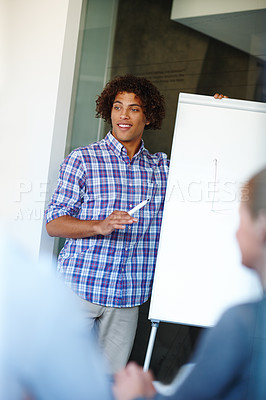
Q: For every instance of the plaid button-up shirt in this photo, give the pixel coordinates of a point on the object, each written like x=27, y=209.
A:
x=114, y=270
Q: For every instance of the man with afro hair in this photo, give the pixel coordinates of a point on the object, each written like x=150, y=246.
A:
x=109, y=256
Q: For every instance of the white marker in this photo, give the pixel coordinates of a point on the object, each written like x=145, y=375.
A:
x=138, y=207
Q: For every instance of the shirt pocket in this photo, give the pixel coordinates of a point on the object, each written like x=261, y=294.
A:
x=100, y=201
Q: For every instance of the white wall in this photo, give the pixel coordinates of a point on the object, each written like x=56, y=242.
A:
x=39, y=48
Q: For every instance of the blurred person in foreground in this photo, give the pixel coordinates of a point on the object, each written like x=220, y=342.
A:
x=44, y=348
x=230, y=359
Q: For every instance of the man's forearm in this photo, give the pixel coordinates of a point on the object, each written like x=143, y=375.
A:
x=71, y=227
x=74, y=228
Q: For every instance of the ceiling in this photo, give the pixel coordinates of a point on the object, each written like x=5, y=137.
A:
x=245, y=30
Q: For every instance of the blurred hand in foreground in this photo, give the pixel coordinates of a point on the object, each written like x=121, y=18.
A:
x=132, y=382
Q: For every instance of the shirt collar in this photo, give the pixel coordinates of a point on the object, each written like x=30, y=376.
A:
x=118, y=148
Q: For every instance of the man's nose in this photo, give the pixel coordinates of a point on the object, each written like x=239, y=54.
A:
x=124, y=114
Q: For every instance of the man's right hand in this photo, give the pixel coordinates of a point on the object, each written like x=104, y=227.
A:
x=116, y=220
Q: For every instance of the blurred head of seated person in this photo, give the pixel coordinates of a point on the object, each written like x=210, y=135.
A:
x=46, y=351
x=251, y=234
x=230, y=358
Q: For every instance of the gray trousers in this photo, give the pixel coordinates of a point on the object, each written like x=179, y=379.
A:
x=115, y=329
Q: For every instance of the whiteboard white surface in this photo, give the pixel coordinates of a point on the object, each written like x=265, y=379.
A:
x=217, y=146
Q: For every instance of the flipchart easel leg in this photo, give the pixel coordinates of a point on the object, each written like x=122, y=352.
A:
x=154, y=327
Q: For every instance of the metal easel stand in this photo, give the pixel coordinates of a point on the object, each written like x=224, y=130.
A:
x=154, y=327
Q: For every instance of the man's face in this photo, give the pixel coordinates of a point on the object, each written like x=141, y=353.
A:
x=128, y=119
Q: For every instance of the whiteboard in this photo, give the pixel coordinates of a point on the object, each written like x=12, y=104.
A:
x=217, y=146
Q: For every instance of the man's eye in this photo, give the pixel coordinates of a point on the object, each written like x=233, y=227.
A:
x=116, y=107
x=135, y=109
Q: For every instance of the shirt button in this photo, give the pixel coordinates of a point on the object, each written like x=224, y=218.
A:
x=130, y=205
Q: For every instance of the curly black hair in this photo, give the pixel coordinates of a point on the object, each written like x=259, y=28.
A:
x=152, y=100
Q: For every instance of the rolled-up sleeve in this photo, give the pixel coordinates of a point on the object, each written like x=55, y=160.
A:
x=69, y=193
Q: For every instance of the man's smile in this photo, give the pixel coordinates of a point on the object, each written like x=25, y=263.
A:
x=124, y=125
